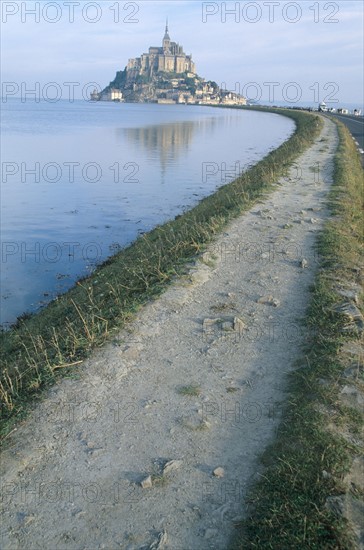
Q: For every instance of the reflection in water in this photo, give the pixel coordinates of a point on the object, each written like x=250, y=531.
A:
x=161, y=144
x=168, y=141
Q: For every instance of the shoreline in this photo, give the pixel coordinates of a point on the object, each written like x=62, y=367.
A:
x=37, y=348
x=63, y=334
x=57, y=266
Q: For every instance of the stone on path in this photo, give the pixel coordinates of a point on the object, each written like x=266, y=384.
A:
x=172, y=465
x=147, y=483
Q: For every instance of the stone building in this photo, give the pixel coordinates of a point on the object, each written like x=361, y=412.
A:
x=112, y=95
x=170, y=57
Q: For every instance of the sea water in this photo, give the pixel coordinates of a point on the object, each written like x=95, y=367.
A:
x=82, y=180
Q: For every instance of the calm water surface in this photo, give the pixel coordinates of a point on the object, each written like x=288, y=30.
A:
x=82, y=180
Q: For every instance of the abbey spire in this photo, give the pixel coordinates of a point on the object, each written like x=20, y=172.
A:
x=166, y=39
x=166, y=35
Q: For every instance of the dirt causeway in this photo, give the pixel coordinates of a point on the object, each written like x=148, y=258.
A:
x=156, y=442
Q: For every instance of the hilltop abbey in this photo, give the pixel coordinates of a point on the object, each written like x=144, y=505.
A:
x=170, y=57
x=165, y=75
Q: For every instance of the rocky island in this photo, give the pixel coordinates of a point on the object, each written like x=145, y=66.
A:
x=165, y=74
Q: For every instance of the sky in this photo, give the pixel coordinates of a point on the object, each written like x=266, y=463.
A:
x=292, y=52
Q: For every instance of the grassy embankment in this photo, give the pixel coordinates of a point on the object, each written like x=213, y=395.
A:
x=41, y=347
x=321, y=431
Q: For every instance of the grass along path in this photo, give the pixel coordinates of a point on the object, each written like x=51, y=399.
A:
x=157, y=443
x=311, y=494
x=53, y=343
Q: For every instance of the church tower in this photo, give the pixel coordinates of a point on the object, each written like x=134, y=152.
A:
x=166, y=40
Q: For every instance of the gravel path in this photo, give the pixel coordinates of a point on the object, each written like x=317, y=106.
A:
x=190, y=395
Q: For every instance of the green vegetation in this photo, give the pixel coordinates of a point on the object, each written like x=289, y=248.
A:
x=142, y=79
x=119, y=81
x=317, y=439
x=190, y=391
x=191, y=85
x=41, y=347
x=169, y=75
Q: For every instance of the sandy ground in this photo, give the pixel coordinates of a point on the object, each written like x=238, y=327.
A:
x=231, y=331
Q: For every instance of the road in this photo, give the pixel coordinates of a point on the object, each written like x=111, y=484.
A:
x=356, y=127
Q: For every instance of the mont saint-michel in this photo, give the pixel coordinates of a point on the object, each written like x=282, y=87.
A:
x=165, y=74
